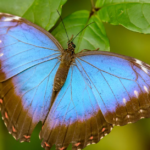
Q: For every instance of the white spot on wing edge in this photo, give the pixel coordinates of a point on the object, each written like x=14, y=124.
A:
x=142, y=118
x=146, y=89
x=15, y=137
x=141, y=111
x=5, y=124
x=139, y=62
x=111, y=128
x=0, y=41
x=144, y=69
x=136, y=93
x=105, y=134
x=12, y=18
x=128, y=116
x=124, y=101
x=1, y=54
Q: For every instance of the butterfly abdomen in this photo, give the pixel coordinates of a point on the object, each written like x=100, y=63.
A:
x=62, y=71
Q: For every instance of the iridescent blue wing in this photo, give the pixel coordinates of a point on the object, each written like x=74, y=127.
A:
x=120, y=83
x=29, y=58
x=101, y=89
x=75, y=116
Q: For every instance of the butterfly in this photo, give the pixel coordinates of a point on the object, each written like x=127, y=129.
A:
x=78, y=97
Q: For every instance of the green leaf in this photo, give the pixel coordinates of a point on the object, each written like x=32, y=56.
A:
x=15, y=7
x=134, y=16
x=102, y=3
x=92, y=37
x=44, y=12
x=41, y=12
x=1, y=136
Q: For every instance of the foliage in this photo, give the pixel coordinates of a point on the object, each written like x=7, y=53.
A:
x=40, y=12
x=132, y=14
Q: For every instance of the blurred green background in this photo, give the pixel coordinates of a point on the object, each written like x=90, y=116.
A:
x=133, y=136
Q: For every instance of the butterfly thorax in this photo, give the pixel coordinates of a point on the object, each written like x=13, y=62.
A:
x=62, y=72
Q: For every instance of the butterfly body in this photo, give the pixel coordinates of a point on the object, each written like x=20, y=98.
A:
x=66, y=60
x=78, y=97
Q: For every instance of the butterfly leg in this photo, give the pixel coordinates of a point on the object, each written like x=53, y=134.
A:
x=89, y=50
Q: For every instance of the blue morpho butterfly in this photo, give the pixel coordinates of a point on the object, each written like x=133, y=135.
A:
x=78, y=97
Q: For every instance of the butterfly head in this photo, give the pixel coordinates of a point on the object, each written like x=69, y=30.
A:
x=71, y=47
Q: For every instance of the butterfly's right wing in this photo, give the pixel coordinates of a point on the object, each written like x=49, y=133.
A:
x=29, y=59
x=102, y=89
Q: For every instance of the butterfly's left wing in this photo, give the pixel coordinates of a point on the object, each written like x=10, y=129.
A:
x=101, y=89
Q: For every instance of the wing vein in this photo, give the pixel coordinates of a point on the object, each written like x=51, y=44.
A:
x=33, y=44
x=34, y=64
x=37, y=86
x=104, y=71
x=92, y=83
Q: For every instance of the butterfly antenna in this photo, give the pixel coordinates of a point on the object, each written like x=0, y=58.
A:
x=92, y=2
x=82, y=30
x=63, y=24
